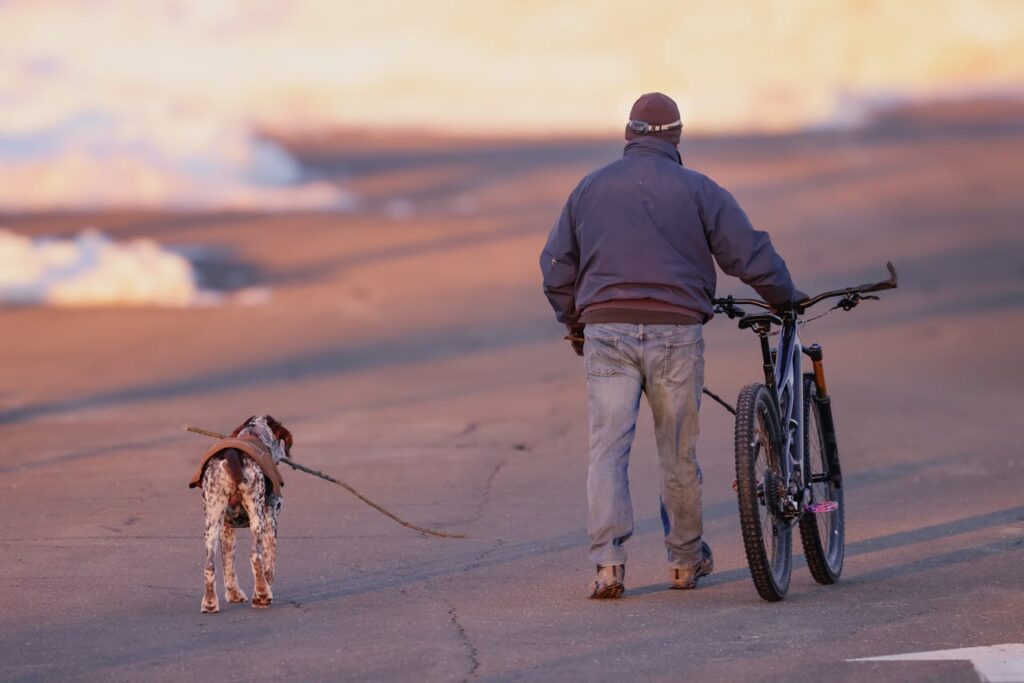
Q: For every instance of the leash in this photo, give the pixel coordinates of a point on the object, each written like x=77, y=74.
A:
x=302, y=468
x=719, y=400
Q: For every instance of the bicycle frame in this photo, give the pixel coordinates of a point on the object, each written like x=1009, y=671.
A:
x=783, y=374
x=784, y=379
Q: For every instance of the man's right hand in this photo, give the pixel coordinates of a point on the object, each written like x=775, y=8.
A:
x=575, y=337
x=793, y=303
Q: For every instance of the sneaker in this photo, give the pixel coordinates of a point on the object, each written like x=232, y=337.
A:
x=686, y=578
x=608, y=582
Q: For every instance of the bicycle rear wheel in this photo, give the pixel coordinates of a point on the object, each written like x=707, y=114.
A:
x=823, y=527
x=767, y=537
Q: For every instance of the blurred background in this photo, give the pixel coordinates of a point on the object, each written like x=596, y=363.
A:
x=190, y=105
x=178, y=103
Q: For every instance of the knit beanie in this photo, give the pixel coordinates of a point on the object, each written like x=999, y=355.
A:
x=655, y=109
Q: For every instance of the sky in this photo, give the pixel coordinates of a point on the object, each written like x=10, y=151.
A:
x=162, y=102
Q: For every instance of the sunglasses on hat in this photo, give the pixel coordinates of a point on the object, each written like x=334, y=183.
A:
x=643, y=128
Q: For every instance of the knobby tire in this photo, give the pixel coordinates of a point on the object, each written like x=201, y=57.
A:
x=771, y=578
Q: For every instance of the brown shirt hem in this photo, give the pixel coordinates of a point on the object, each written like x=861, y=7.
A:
x=639, y=312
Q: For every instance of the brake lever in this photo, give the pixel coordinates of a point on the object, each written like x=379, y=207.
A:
x=730, y=310
x=851, y=300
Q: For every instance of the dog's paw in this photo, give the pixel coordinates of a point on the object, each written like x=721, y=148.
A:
x=234, y=595
x=261, y=601
x=209, y=606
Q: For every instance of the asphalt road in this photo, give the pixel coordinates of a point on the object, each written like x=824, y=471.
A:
x=408, y=348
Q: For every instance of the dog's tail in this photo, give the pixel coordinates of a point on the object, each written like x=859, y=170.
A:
x=233, y=459
x=234, y=462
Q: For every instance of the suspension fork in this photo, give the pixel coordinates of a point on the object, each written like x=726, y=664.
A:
x=828, y=424
x=814, y=353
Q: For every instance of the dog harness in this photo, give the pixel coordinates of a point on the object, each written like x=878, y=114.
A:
x=252, y=447
x=235, y=514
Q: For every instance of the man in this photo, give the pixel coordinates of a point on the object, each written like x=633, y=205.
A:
x=628, y=268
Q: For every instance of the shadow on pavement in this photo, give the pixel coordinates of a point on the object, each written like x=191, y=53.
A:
x=503, y=554
x=905, y=538
x=424, y=346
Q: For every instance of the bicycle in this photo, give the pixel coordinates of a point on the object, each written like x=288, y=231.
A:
x=787, y=457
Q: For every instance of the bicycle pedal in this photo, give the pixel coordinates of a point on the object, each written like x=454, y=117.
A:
x=821, y=507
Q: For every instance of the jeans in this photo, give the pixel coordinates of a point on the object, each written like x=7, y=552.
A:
x=666, y=362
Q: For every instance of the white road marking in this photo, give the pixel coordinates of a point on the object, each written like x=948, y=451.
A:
x=994, y=663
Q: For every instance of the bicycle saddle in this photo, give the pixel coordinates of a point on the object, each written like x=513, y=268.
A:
x=755, y=318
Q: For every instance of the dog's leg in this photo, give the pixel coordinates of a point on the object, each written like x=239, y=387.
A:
x=253, y=498
x=270, y=538
x=269, y=553
x=215, y=501
x=232, y=593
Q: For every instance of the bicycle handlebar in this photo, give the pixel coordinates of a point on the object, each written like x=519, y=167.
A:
x=891, y=283
x=852, y=297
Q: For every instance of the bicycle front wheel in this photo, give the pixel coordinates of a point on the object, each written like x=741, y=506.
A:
x=760, y=487
x=822, y=526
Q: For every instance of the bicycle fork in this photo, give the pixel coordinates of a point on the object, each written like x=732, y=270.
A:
x=828, y=425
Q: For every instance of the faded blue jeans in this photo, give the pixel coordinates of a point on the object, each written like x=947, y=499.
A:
x=666, y=362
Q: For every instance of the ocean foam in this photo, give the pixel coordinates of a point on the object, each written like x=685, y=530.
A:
x=91, y=270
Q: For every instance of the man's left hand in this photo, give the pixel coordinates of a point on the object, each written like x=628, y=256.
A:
x=575, y=337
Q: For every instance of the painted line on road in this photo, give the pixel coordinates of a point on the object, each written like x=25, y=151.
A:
x=993, y=663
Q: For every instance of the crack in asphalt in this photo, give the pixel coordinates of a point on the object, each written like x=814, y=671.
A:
x=485, y=497
x=479, y=559
x=460, y=632
x=485, y=494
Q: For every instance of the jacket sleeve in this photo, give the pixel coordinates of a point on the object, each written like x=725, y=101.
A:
x=742, y=251
x=559, y=263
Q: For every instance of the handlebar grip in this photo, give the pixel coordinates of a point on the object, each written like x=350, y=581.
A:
x=891, y=283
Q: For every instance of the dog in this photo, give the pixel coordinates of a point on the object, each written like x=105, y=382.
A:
x=241, y=487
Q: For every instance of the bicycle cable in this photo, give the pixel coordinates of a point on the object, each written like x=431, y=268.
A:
x=718, y=399
x=801, y=323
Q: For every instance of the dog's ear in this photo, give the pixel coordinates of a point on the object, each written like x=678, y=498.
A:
x=239, y=428
x=280, y=433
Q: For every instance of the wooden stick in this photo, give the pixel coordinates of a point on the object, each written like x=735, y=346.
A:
x=205, y=432
x=302, y=468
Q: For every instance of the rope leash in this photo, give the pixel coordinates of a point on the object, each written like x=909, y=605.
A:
x=302, y=468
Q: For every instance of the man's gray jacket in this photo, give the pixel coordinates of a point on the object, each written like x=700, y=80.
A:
x=645, y=227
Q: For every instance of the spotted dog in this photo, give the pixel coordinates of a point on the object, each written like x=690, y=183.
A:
x=241, y=487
